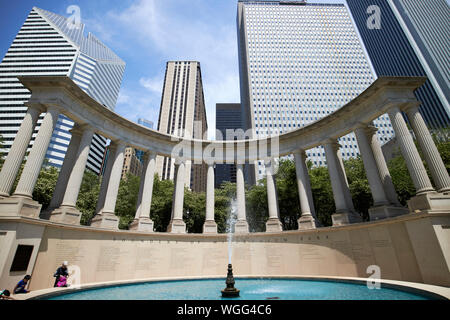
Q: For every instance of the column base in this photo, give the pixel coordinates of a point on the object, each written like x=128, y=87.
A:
x=241, y=226
x=176, y=226
x=142, y=224
x=20, y=206
x=210, y=226
x=386, y=211
x=65, y=214
x=274, y=225
x=342, y=219
x=106, y=221
x=306, y=222
x=432, y=202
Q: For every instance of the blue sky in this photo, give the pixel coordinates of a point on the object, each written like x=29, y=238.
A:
x=146, y=34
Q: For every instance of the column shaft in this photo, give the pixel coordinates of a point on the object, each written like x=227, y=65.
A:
x=177, y=211
x=302, y=175
x=240, y=192
x=17, y=152
x=383, y=169
x=410, y=154
x=105, y=179
x=241, y=225
x=37, y=155
x=64, y=173
x=273, y=224
x=146, y=189
x=370, y=166
x=337, y=184
x=114, y=181
x=210, y=225
x=430, y=152
x=210, y=193
x=76, y=176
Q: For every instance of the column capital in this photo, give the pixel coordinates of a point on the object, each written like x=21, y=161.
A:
x=368, y=128
x=79, y=129
x=333, y=143
x=301, y=153
x=412, y=107
x=179, y=161
x=118, y=144
x=35, y=106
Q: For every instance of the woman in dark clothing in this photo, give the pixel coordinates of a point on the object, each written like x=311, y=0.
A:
x=61, y=271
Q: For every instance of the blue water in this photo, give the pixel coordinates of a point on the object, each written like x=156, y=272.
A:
x=250, y=289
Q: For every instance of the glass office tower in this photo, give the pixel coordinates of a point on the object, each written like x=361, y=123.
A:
x=298, y=63
x=392, y=54
x=48, y=45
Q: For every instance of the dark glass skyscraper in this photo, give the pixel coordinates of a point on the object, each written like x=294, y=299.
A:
x=392, y=55
x=228, y=116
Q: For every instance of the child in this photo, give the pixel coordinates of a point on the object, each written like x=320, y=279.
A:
x=62, y=282
x=20, y=287
x=5, y=295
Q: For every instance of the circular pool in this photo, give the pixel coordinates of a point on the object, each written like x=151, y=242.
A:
x=250, y=289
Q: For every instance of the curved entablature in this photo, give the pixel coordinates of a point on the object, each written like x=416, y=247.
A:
x=376, y=100
x=60, y=95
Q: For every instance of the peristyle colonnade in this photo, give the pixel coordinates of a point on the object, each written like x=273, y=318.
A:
x=59, y=95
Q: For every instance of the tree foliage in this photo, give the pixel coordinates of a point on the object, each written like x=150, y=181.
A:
x=194, y=206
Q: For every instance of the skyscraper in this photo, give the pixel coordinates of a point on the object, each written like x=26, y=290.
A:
x=426, y=24
x=228, y=116
x=148, y=124
x=392, y=54
x=145, y=123
x=183, y=114
x=298, y=63
x=49, y=44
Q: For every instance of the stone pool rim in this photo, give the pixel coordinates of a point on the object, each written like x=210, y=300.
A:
x=428, y=291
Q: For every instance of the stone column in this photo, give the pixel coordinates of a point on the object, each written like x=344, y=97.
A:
x=410, y=154
x=18, y=149
x=306, y=221
x=241, y=225
x=430, y=152
x=382, y=167
x=21, y=202
x=382, y=207
x=370, y=166
x=344, y=212
x=36, y=157
x=273, y=224
x=67, y=212
x=105, y=179
x=142, y=220
x=177, y=224
x=107, y=218
x=210, y=225
x=64, y=173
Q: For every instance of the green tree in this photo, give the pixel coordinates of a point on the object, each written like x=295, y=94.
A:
x=88, y=196
x=359, y=186
x=126, y=200
x=43, y=191
x=322, y=194
x=161, y=208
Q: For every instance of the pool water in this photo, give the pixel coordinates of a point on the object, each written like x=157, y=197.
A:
x=250, y=289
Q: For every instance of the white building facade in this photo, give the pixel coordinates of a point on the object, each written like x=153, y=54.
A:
x=49, y=44
x=298, y=63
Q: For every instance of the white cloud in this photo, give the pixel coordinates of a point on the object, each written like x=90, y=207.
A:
x=182, y=30
x=154, y=84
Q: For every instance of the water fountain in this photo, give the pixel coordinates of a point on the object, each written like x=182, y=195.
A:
x=230, y=291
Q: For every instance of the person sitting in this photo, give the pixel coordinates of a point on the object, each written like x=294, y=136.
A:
x=5, y=295
x=21, y=285
x=61, y=271
x=62, y=282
